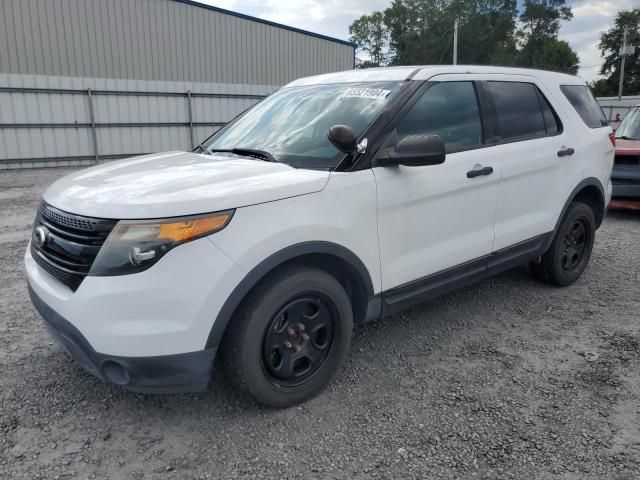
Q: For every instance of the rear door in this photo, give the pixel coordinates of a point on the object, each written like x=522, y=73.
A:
x=535, y=152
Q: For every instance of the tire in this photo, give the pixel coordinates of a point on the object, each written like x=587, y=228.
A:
x=289, y=337
x=570, y=250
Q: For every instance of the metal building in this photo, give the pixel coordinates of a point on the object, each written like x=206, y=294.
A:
x=86, y=80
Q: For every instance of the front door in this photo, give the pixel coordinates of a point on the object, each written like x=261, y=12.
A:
x=432, y=218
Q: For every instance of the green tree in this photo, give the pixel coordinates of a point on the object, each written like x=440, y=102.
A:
x=610, y=43
x=421, y=31
x=486, y=30
x=540, y=47
x=505, y=54
x=540, y=19
x=408, y=21
x=371, y=35
x=549, y=54
x=413, y=32
x=600, y=88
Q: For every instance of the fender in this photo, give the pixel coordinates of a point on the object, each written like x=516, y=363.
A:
x=587, y=182
x=273, y=261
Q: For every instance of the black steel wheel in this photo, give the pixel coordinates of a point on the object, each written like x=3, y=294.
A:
x=289, y=338
x=575, y=244
x=299, y=340
x=571, y=248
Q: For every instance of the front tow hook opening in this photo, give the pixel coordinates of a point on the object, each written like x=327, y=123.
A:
x=116, y=373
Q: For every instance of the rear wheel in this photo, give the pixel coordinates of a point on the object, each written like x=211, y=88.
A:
x=571, y=248
x=289, y=337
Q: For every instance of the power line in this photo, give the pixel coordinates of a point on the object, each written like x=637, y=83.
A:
x=446, y=48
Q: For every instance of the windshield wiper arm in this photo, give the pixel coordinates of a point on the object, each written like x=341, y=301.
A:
x=248, y=152
x=624, y=137
x=252, y=152
x=202, y=148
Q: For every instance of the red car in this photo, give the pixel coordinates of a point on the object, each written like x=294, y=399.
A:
x=626, y=169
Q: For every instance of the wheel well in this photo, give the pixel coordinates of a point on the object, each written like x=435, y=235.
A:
x=592, y=196
x=338, y=268
x=334, y=259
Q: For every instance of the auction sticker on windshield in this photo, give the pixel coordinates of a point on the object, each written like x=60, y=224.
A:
x=373, y=93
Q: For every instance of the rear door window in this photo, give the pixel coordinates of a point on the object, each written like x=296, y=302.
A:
x=518, y=111
x=583, y=102
x=551, y=121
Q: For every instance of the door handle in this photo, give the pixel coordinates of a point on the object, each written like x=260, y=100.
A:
x=566, y=152
x=477, y=172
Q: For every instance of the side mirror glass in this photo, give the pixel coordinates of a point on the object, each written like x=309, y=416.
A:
x=417, y=150
x=343, y=138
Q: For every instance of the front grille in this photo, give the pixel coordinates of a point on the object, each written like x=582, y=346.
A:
x=72, y=243
x=633, y=160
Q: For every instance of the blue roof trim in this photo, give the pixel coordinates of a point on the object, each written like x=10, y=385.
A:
x=265, y=22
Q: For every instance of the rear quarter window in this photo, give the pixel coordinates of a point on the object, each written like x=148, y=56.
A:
x=585, y=105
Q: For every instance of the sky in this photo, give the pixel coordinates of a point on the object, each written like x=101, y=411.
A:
x=333, y=17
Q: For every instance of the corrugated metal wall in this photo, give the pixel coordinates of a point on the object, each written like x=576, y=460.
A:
x=50, y=118
x=158, y=40
x=52, y=52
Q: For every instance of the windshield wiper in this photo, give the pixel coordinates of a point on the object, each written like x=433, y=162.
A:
x=624, y=137
x=247, y=152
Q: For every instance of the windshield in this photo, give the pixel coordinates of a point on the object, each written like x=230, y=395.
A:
x=292, y=124
x=630, y=125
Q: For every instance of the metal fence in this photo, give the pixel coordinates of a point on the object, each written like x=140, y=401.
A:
x=57, y=122
x=612, y=112
x=615, y=109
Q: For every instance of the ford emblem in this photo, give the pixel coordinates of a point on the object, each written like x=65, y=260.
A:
x=41, y=235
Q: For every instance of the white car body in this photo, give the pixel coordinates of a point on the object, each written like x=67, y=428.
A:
x=393, y=225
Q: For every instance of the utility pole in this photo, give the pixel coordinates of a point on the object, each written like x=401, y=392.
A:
x=455, y=42
x=623, y=54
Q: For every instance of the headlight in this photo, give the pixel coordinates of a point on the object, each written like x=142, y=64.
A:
x=135, y=245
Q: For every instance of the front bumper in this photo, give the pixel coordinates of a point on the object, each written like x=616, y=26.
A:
x=166, y=310
x=186, y=372
x=146, y=331
x=626, y=182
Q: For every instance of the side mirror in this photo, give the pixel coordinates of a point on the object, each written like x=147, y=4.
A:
x=342, y=137
x=417, y=151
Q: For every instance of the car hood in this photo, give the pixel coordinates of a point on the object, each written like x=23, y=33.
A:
x=178, y=183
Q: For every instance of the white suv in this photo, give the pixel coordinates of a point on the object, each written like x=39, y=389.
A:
x=339, y=199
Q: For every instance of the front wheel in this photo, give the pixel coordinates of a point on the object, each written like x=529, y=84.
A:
x=289, y=337
x=571, y=248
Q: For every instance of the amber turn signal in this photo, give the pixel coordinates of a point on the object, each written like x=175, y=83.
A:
x=186, y=230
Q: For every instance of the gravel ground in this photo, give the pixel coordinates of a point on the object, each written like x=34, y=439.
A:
x=506, y=379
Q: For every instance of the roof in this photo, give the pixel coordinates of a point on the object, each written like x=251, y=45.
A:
x=265, y=22
x=425, y=72
x=383, y=74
